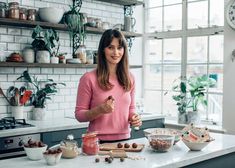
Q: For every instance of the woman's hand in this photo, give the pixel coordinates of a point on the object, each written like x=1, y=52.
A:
x=136, y=120
x=108, y=105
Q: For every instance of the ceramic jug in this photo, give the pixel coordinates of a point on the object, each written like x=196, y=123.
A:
x=129, y=23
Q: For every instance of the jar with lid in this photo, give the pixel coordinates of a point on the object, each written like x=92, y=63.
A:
x=90, y=143
x=69, y=147
x=14, y=12
x=89, y=55
x=23, y=14
x=3, y=10
x=32, y=14
x=81, y=53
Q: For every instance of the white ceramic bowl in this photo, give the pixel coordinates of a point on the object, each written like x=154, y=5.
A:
x=160, y=143
x=52, y=159
x=164, y=131
x=195, y=146
x=35, y=153
x=50, y=14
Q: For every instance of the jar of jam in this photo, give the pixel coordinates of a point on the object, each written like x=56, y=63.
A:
x=3, y=10
x=23, y=14
x=32, y=14
x=14, y=12
x=90, y=143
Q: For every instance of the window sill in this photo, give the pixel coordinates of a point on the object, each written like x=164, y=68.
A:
x=175, y=125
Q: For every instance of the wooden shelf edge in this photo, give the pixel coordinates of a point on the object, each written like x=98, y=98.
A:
x=39, y=65
x=123, y=2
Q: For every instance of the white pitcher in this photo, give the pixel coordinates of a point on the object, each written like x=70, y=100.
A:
x=129, y=23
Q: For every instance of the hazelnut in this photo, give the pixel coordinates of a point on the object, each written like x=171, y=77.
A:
x=126, y=145
x=122, y=159
x=134, y=145
x=97, y=160
x=106, y=159
x=119, y=145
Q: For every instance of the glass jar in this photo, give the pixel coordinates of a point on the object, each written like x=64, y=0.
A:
x=23, y=14
x=69, y=147
x=81, y=53
x=14, y=12
x=89, y=57
x=31, y=14
x=90, y=143
x=3, y=9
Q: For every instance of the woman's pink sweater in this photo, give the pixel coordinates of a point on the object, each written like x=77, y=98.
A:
x=112, y=126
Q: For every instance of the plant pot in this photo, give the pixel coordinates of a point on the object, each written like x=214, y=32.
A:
x=17, y=112
x=182, y=118
x=38, y=114
x=28, y=55
x=193, y=117
x=43, y=56
x=54, y=60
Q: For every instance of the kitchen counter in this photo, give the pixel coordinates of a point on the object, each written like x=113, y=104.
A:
x=56, y=124
x=178, y=156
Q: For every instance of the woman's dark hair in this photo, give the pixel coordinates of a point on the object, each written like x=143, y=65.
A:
x=122, y=72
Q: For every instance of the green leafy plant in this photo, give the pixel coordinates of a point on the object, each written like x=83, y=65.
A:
x=40, y=94
x=192, y=92
x=46, y=40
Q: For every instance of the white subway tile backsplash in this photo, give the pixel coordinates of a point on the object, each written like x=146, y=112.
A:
x=7, y=38
x=59, y=71
x=70, y=71
x=28, y=3
x=20, y=70
x=64, y=78
x=46, y=70
x=27, y=32
x=54, y=77
x=14, y=31
x=3, y=30
x=3, y=46
x=21, y=39
x=34, y=70
x=4, y=70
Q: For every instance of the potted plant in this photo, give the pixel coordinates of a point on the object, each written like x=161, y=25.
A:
x=191, y=95
x=42, y=91
x=46, y=43
x=16, y=97
x=76, y=26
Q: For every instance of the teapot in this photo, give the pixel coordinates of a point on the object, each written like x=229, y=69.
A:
x=69, y=147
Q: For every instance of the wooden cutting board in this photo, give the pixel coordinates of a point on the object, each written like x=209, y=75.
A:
x=114, y=153
x=113, y=146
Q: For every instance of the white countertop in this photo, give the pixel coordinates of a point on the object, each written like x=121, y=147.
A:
x=178, y=156
x=55, y=124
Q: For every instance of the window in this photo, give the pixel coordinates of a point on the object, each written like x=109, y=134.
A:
x=183, y=38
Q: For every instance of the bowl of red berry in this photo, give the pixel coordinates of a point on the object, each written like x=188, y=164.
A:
x=34, y=149
x=52, y=156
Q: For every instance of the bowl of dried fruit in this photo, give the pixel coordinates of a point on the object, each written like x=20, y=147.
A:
x=34, y=149
x=160, y=143
x=52, y=156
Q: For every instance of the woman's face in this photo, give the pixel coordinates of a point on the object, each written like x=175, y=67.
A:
x=114, y=52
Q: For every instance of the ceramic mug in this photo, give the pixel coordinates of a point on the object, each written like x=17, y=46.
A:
x=129, y=23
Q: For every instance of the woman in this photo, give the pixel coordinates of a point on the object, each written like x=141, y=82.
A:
x=106, y=95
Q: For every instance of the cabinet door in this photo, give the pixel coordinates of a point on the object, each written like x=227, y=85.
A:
x=55, y=137
x=155, y=123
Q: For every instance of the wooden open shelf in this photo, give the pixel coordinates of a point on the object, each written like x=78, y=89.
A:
x=33, y=65
x=32, y=24
x=123, y=2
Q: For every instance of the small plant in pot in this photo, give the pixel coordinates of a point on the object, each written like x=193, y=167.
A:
x=46, y=43
x=191, y=96
x=42, y=91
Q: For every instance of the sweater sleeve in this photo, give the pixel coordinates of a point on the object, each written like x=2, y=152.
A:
x=83, y=98
x=132, y=93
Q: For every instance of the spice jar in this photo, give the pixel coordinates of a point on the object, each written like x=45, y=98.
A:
x=32, y=14
x=69, y=147
x=14, y=12
x=23, y=14
x=81, y=53
x=3, y=9
x=90, y=143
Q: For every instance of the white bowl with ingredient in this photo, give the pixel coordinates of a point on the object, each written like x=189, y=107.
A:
x=50, y=14
x=195, y=146
x=35, y=153
x=52, y=157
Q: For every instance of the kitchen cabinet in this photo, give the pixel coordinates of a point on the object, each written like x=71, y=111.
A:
x=54, y=137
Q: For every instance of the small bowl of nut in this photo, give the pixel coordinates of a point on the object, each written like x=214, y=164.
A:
x=52, y=156
x=160, y=143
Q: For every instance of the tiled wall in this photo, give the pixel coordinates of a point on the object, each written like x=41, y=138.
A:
x=13, y=39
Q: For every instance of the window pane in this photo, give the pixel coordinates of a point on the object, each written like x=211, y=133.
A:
x=217, y=12
x=197, y=49
x=216, y=51
x=153, y=77
x=170, y=74
x=216, y=72
x=197, y=14
x=154, y=51
x=172, y=50
x=173, y=17
x=153, y=3
x=152, y=101
x=196, y=70
x=169, y=105
x=169, y=2
x=215, y=107
x=154, y=20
